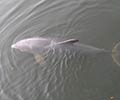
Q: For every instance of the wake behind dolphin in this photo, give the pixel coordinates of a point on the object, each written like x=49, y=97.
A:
x=38, y=45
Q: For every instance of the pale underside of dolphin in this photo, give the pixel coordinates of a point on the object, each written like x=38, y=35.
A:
x=38, y=45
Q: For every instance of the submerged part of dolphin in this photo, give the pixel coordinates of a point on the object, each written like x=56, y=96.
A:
x=38, y=45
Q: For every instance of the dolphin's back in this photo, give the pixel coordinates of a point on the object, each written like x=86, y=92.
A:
x=69, y=41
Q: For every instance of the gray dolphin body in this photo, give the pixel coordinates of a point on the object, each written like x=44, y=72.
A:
x=39, y=46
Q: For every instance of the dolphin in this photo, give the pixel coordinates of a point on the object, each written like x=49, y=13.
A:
x=38, y=45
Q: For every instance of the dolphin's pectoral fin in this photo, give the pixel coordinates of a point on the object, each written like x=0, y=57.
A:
x=39, y=59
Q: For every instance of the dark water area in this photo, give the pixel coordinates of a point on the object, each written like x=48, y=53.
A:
x=66, y=74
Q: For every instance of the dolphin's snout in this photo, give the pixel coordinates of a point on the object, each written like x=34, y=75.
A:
x=13, y=46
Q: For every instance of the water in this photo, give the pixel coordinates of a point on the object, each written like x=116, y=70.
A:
x=65, y=76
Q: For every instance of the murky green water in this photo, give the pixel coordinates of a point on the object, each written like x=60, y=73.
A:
x=66, y=75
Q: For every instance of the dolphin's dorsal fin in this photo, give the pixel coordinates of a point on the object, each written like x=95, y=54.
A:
x=69, y=41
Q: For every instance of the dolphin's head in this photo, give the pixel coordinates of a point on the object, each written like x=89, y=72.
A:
x=22, y=46
x=31, y=45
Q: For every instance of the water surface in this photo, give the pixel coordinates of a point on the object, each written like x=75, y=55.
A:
x=66, y=75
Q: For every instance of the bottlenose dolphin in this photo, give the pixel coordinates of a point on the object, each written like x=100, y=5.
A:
x=38, y=45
